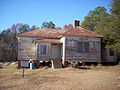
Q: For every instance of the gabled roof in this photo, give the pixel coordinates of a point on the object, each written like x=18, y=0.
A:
x=44, y=33
x=58, y=33
x=81, y=32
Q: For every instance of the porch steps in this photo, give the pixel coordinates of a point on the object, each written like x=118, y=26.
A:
x=56, y=63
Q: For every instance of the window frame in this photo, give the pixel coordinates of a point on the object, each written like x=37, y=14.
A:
x=80, y=47
x=85, y=48
x=43, y=47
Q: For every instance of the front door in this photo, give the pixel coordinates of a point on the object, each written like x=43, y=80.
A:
x=56, y=51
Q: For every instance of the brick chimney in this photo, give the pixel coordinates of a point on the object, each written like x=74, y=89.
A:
x=76, y=24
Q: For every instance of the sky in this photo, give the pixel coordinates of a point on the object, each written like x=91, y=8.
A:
x=34, y=12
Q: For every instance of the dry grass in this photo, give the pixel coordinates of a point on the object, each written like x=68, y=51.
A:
x=96, y=78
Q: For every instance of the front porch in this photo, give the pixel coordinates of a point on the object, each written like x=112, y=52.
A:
x=50, y=50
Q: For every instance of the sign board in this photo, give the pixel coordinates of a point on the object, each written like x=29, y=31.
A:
x=24, y=63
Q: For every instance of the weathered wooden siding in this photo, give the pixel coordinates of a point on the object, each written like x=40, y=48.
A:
x=106, y=57
x=71, y=49
x=68, y=50
x=26, y=48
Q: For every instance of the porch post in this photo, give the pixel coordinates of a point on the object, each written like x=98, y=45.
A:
x=52, y=64
x=63, y=52
x=36, y=51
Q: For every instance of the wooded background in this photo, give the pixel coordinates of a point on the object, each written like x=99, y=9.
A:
x=100, y=20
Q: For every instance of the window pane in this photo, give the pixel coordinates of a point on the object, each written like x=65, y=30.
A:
x=79, y=47
x=71, y=43
x=86, y=46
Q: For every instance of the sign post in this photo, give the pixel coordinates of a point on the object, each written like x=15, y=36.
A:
x=23, y=72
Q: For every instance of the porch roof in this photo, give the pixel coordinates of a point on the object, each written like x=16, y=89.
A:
x=48, y=41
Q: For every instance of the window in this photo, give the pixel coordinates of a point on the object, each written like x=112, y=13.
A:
x=95, y=45
x=83, y=47
x=43, y=49
x=71, y=43
x=86, y=47
x=79, y=47
x=111, y=52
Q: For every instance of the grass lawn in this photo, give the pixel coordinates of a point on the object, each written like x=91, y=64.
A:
x=96, y=78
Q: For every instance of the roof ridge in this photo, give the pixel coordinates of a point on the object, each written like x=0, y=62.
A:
x=58, y=33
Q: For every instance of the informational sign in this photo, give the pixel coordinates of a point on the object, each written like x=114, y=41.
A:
x=24, y=63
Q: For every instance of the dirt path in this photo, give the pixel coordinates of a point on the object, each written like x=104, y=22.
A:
x=102, y=78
